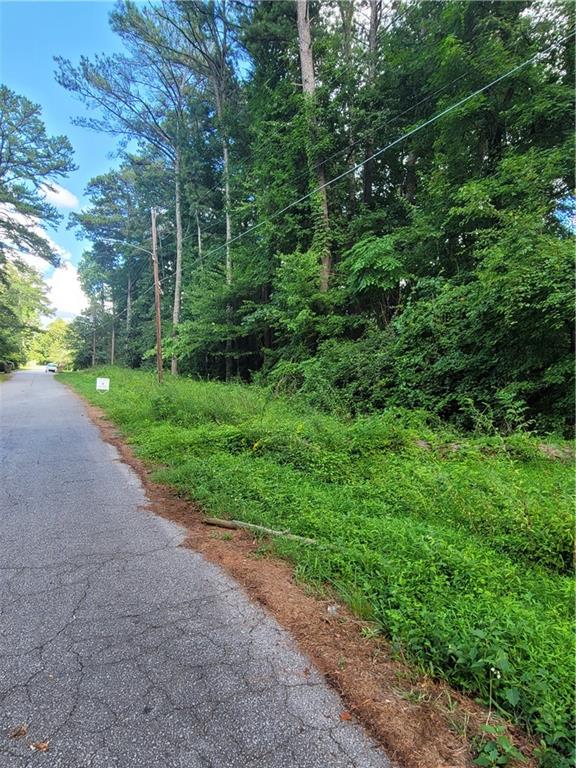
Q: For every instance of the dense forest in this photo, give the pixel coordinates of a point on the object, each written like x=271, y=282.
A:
x=364, y=202
x=436, y=274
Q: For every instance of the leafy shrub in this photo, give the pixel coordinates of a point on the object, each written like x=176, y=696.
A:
x=493, y=352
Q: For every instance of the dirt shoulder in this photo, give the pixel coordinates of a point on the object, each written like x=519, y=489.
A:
x=420, y=723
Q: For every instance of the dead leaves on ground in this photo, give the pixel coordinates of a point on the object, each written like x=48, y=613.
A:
x=22, y=730
x=40, y=746
x=19, y=732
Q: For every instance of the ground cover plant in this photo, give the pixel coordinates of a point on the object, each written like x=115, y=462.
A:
x=458, y=547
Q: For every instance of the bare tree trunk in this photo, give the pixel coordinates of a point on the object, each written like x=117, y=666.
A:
x=309, y=89
x=227, y=209
x=128, y=318
x=113, y=331
x=227, y=204
x=199, y=236
x=375, y=18
x=178, y=273
x=128, y=306
x=157, y=312
x=93, y=339
x=347, y=15
x=113, y=342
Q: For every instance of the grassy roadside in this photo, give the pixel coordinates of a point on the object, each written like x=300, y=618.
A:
x=459, y=548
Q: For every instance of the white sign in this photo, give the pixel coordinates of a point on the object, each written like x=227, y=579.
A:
x=103, y=385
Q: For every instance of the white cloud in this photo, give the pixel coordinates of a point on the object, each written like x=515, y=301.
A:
x=9, y=213
x=60, y=196
x=64, y=291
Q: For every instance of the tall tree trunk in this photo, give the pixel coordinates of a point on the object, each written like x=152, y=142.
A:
x=178, y=273
x=375, y=18
x=227, y=210
x=227, y=204
x=113, y=332
x=128, y=320
x=199, y=237
x=128, y=307
x=113, y=342
x=309, y=89
x=93, y=338
x=347, y=15
x=228, y=372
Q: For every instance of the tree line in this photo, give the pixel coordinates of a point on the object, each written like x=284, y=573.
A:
x=31, y=162
x=292, y=250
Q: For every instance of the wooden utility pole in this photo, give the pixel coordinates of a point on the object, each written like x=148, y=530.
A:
x=156, y=298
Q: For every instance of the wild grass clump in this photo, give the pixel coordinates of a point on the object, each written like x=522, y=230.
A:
x=458, y=547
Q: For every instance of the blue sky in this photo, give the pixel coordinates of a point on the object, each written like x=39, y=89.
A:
x=31, y=34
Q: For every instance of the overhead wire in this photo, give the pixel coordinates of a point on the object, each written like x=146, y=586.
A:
x=397, y=141
x=410, y=6
x=395, y=19
x=150, y=288
x=348, y=147
x=357, y=166
x=388, y=122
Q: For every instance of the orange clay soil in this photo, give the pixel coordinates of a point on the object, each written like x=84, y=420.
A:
x=421, y=723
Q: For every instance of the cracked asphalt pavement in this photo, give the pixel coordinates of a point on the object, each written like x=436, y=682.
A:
x=119, y=647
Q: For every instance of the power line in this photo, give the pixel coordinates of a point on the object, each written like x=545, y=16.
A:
x=387, y=147
x=371, y=131
x=397, y=17
x=368, y=159
x=151, y=287
x=354, y=168
x=347, y=148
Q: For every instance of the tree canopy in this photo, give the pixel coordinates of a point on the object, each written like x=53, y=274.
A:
x=30, y=162
x=346, y=220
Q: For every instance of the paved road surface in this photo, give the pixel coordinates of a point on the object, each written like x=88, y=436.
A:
x=119, y=647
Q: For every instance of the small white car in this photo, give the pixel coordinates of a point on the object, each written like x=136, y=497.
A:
x=51, y=368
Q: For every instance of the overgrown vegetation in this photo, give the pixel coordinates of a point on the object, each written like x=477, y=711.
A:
x=459, y=547
x=436, y=275
x=374, y=228
x=22, y=302
x=51, y=344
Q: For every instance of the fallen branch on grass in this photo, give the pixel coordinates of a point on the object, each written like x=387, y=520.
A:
x=258, y=528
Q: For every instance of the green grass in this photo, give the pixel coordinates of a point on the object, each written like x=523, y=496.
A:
x=460, y=548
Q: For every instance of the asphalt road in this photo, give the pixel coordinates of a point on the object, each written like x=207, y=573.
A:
x=117, y=646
